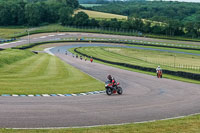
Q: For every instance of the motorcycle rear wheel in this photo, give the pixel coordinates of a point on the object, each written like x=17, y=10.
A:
x=119, y=91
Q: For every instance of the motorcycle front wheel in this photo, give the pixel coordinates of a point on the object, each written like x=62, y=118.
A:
x=109, y=91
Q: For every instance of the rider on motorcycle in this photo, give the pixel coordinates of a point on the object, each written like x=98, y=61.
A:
x=112, y=80
x=158, y=69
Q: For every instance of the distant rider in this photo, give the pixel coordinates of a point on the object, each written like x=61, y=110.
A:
x=91, y=59
x=112, y=80
x=158, y=69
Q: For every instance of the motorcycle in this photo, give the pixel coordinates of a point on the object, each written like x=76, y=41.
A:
x=159, y=74
x=113, y=90
x=91, y=60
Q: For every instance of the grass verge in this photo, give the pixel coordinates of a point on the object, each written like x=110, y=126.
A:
x=10, y=56
x=42, y=74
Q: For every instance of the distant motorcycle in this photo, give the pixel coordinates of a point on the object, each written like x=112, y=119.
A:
x=113, y=90
x=91, y=60
x=159, y=74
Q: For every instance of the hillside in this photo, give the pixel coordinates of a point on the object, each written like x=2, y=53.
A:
x=154, y=10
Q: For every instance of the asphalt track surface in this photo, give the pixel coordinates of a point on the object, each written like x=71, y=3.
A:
x=58, y=36
x=145, y=98
x=64, y=48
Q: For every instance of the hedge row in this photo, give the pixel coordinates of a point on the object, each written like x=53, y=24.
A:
x=148, y=69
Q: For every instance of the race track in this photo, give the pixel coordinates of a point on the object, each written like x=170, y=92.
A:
x=145, y=98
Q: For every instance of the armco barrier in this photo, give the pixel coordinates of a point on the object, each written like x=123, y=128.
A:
x=188, y=75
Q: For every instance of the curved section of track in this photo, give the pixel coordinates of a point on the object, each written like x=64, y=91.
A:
x=64, y=48
x=145, y=98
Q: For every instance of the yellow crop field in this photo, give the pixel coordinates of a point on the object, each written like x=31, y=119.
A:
x=101, y=15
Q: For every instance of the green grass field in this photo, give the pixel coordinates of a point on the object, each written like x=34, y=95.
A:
x=9, y=32
x=184, y=125
x=41, y=74
x=170, y=61
x=11, y=56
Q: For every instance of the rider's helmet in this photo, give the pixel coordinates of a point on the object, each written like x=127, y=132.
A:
x=158, y=66
x=109, y=77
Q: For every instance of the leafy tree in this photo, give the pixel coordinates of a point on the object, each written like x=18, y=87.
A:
x=157, y=29
x=81, y=19
x=197, y=28
x=71, y=3
x=114, y=23
x=21, y=13
x=12, y=13
x=53, y=9
x=93, y=22
x=33, y=14
x=136, y=23
x=65, y=16
x=103, y=23
x=191, y=29
x=174, y=28
x=147, y=27
x=5, y=14
x=125, y=25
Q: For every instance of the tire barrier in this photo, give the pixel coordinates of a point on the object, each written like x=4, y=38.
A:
x=182, y=74
x=1, y=49
x=8, y=40
x=35, y=52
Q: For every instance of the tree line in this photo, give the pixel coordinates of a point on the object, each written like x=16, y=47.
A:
x=160, y=11
x=179, y=18
x=37, y=12
x=172, y=28
x=34, y=12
